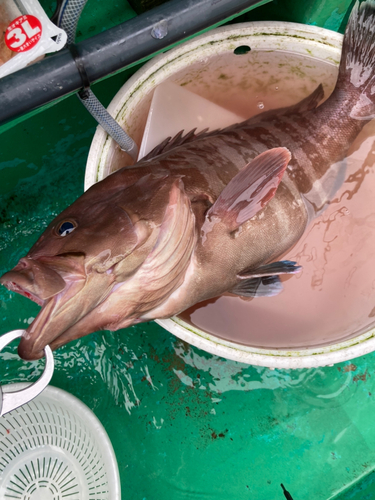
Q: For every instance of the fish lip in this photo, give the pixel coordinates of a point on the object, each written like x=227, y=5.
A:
x=14, y=287
x=34, y=280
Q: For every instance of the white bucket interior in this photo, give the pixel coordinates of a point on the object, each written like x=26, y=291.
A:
x=285, y=59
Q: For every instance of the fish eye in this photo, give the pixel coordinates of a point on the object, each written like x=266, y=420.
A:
x=66, y=227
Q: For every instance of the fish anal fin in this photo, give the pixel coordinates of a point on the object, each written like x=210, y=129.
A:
x=273, y=269
x=251, y=189
x=266, y=286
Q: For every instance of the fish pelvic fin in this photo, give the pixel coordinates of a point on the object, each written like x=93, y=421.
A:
x=273, y=269
x=264, y=281
x=250, y=190
x=267, y=286
x=357, y=66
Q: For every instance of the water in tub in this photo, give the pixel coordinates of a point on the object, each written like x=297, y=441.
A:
x=333, y=298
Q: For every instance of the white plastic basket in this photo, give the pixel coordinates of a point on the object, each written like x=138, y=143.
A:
x=54, y=448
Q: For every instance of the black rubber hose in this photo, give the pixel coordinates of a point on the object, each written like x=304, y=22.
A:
x=110, y=51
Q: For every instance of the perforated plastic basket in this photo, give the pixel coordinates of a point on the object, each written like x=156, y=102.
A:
x=54, y=448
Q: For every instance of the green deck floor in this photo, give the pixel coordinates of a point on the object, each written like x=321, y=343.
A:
x=184, y=424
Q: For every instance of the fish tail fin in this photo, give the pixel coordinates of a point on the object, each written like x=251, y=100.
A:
x=357, y=66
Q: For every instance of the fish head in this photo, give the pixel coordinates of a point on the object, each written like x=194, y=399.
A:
x=72, y=267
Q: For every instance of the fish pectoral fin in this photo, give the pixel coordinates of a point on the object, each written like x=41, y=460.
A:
x=266, y=286
x=273, y=269
x=264, y=281
x=251, y=189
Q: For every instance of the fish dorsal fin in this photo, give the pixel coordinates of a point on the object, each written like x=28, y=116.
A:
x=164, y=268
x=178, y=140
x=307, y=104
x=251, y=189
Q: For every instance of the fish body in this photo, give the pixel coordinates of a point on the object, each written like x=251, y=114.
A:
x=200, y=215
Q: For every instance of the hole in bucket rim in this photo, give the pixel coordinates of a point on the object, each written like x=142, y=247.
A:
x=242, y=49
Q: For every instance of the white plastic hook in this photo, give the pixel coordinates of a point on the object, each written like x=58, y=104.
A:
x=11, y=400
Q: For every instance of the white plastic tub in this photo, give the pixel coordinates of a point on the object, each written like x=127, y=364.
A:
x=209, y=66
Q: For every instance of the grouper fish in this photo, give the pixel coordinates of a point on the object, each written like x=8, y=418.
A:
x=200, y=215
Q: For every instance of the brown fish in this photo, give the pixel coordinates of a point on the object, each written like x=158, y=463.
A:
x=200, y=215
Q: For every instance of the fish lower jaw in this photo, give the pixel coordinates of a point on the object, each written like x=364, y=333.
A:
x=33, y=342
x=10, y=285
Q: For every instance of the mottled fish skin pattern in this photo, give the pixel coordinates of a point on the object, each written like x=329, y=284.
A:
x=200, y=215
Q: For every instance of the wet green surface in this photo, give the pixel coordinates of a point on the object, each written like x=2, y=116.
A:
x=183, y=423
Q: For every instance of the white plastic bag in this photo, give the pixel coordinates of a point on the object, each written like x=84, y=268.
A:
x=26, y=34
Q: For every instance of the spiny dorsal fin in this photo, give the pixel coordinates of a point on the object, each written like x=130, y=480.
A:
x=310, y=102
x=178, y=140
x=250, y=190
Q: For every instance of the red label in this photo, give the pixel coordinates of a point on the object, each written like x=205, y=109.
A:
x=23, y=33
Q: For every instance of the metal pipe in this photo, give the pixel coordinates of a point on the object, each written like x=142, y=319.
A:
x=112, y=50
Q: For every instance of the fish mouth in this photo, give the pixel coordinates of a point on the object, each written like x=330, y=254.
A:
x=67, y=296
x=41, y=281
x=14, y=287
x=33, y=279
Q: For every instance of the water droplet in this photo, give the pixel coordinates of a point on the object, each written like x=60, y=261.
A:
x=276, y=88
x=160, y=30
x=260, y=105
